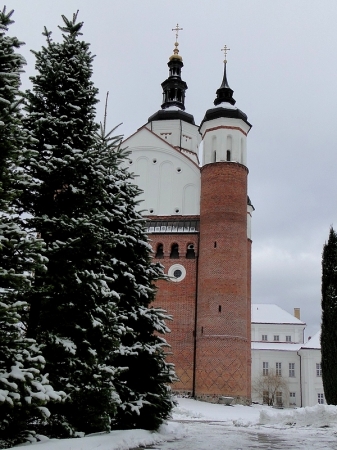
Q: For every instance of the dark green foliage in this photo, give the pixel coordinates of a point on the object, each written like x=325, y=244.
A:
x=73, y=315
x=89, y=311
x=144, y=390
x=24, y=391
x=329, y=319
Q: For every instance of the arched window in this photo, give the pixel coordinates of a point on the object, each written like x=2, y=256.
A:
x=174, y=251
x=190, y=254
x=160, y=251
x=228, y=155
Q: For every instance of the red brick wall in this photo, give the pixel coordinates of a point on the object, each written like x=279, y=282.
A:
x=178, y=299
x=222, y=336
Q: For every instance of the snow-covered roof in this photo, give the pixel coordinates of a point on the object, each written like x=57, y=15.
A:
x=224, y=105
x=314, y=342
x=269, y=313
x=281, y=346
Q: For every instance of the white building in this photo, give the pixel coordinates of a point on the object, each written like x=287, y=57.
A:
x=278, y=350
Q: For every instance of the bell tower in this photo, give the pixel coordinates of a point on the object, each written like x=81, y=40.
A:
x=223, y=307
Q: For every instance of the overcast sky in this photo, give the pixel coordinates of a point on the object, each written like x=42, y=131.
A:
x=283, y=70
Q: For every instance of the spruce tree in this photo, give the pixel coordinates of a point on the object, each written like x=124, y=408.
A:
x=73, y=315
x=329, y=318
x=24, y=390
x=91, y=314
x=144, y=391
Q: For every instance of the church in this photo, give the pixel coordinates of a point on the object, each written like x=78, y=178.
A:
x=198, y=222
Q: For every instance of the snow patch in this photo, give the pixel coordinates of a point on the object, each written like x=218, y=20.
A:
x=311, y=416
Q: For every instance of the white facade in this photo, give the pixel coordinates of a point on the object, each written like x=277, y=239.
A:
x=312, y=386
x=277, y=347
x=224, y=139
x=168, y=177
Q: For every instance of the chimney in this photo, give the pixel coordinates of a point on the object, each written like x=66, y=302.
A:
x=297, y=313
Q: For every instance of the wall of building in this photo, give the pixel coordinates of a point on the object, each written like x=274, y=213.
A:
x=224, y=135
x=295, y=331
x=178, y=298
x=222, y=340
x=178, y=133
x=169, y=179
x=312, y=384
x=272, y=357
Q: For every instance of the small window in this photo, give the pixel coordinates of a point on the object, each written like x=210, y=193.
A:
x=160, y=251
x=279, y=400
x=177, y=273
x=264, y=337
x=265, y=367
x=190, y=253
x=291, y=370
x=174, y=251
x=320, y=398
x=318, y=369
x=288, y=338
x=292, y=398
x=278, y=369
x=219, y=308
x=276, y=337
x=228, y=155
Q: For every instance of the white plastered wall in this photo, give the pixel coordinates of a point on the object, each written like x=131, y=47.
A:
x=312, y=384
x=296, y=332
x=170, y=180
x=272, y=357
x=224, y=134
x=178, y=134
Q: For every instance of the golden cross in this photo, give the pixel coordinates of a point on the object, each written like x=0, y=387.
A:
x=177, y=29
x=225, y=50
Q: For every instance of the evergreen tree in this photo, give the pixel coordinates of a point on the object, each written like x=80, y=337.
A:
x=143, y=388
x=329, y=318
x=24, y=391
x=73, y=315
x=91, y=313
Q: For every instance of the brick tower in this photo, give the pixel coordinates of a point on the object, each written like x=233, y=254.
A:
x=223, y=310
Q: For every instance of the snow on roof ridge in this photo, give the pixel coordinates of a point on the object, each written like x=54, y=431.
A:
x=314, y=342
x=271, y=313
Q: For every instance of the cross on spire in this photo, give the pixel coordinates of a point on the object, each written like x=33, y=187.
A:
x=177, y=29
x=225, y=50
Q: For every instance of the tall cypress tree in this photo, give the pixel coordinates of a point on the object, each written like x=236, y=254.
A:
x=73, y=314
x=24, y=390
x=329, y=318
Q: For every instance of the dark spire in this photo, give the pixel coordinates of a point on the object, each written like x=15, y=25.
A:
x=224, y=93
x=174, y=87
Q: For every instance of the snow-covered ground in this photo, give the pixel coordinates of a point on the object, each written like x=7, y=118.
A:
x=199, y=425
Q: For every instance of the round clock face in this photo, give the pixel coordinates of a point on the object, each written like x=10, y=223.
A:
x=177, y=272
